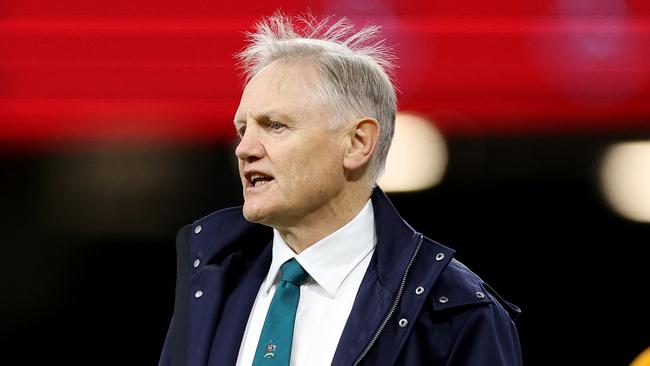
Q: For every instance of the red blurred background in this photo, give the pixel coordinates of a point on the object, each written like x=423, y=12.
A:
x=73, y=69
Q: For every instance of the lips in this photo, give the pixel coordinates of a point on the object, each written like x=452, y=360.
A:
x=259, y=180
x=256, y=179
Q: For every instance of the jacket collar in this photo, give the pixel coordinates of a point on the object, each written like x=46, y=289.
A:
x=396, y=241
x=227, y=231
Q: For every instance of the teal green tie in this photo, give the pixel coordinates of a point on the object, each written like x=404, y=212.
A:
x=274, y=346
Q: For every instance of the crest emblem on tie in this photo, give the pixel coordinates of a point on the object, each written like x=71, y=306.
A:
x=270, y=350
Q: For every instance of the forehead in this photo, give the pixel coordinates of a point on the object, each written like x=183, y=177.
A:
x=281, y=87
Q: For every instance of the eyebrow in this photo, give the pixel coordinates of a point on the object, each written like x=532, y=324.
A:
x=270, y=115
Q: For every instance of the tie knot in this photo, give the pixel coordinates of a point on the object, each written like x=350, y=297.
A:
x=293, y=272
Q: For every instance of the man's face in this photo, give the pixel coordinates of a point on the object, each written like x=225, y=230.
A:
x=290, y=162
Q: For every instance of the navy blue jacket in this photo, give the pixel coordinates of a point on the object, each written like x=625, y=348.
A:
x=416, y=304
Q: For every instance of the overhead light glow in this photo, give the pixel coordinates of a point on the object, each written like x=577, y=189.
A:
x=625, y=176
x=643, y=359
x=417, y=158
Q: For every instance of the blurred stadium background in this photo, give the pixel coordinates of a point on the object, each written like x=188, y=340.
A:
x=523, y=145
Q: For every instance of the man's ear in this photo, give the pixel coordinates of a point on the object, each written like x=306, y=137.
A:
x=363, y=137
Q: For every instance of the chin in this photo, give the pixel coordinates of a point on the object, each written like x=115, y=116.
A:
x=251, y=216
x=256, y=215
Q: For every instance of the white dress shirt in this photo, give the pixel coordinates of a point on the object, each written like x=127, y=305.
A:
x=336, y=266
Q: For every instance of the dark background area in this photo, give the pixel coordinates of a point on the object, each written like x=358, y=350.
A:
x=89, y=270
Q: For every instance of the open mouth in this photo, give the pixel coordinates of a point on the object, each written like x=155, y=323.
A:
x=258, y=180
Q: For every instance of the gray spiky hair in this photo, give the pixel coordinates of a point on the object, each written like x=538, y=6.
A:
x=354, y=67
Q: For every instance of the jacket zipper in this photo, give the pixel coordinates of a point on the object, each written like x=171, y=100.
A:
x=393, y=307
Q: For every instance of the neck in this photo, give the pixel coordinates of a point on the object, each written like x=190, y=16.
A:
x=318, y=225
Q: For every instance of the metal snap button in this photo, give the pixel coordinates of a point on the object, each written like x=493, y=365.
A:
x=419, y=290
x=196, y=262
x=198, y=294
x=403, y=323
x=479, y=295
x=443, y=299
x=197, y=229
x=440, y=256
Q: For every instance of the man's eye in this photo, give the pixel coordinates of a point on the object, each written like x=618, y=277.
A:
x=241, y=131
x=276, y=125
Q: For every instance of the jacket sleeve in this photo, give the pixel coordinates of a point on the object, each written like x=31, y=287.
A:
x=487, y=337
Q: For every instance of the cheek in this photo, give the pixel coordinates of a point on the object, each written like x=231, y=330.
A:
x=318, y=170
x=308, y=166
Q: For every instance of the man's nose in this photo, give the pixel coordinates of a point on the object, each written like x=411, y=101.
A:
x=250, y=146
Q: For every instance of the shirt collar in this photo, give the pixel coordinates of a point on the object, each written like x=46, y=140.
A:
x=330, y=260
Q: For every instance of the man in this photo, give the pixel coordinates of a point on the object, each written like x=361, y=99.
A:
x=317, y=267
